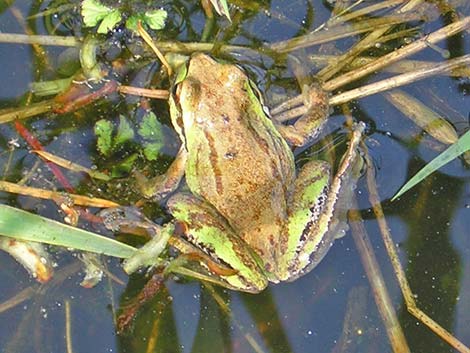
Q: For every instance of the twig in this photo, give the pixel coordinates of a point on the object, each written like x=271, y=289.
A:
x=144, y=92
x=39, y=39
x=400, y=274
x=68, y=328
x=54, y=195
x=398, y=54
x=146, y=37
x=376, y=87
x=399, y=80
x=379, y=290
x=339, y=32
x=362, y=12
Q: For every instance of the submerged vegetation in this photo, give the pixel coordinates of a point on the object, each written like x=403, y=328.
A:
x=97, y=124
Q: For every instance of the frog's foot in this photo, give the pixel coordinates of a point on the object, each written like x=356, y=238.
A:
x=162, y=185
x=128, y=220
x=311, y=109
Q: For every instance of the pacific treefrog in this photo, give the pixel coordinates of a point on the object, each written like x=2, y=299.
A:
x=248, y=209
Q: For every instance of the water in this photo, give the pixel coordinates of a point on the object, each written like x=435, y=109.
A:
x=429, y=224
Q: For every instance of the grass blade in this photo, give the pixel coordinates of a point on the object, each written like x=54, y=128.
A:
x=461, y=146
x=19, y=224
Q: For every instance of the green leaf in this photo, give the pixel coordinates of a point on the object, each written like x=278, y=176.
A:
x=125, y=131
x=124, y=167
x=110, y=21
x=155, y=19
x=152, y=149
x=131, y=22
x=455, y=150
x=103, y=131
x=150, y=128
x=19, y=224
x=151, y=131
x=93, y=12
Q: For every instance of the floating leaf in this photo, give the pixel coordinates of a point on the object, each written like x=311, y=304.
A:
x=19, y=224
x=103, y=130
x=461, y=146
x=110, y=21
x=125, y=131
x=151, y=131
x=93, y=12
x=47, y=88
x=151, y=150
x=155, y=19
x=131, y=22
x=124, y=167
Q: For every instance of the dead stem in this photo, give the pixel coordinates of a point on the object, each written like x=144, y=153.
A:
x=148, y=39
x=379, y=289
x=10, y=114
x=399, y=80
x=39, y=39
x=144, y=92
x=40, y=52
x=400, y=274
x=354, y=319
x=368, y=41
x=347, y=17
x=340, y=32
x=376, y=87
x=398, y=54
x=18, y=298
x=399, y=67
x=68, y=328
x=342, y=60
x=423, y=116
x=69, y=165
x=54, y=195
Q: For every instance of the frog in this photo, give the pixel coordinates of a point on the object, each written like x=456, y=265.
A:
x=248, y=209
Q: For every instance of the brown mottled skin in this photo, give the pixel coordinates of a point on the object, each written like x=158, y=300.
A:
x=237, y=161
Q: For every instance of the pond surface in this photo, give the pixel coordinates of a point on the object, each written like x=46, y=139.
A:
x=332, y=308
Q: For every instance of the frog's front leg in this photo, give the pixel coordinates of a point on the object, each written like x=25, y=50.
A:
x=207, y=230
x=313, y=114
x=164, y=184
x=318, y=209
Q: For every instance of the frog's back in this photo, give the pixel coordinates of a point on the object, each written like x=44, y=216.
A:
x=238, y=161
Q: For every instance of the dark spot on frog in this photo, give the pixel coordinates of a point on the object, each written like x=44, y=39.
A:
x=230, y=155
x=271, y=240
x=181, y=228
x=225, y=118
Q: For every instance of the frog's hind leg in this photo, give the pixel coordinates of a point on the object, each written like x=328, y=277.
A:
x=319, y=208
x=205, y=229
x=304, y=228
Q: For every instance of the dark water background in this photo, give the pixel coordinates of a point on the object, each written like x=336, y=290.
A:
x=429, y=225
